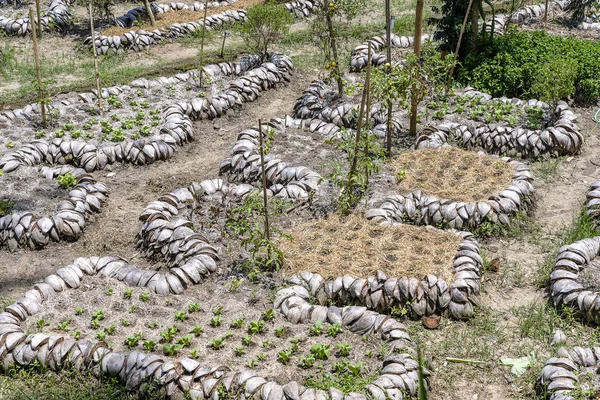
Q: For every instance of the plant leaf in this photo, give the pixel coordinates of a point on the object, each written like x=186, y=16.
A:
x=519, y=365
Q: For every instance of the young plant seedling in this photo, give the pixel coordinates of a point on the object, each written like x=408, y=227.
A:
x=109, y=291
x=125, y=322
x=280, y=331
x=217, y=343
x=127, y=294
x=196, y=330
x=101, y=335
x=95, y=324
x=144, y=297
x=149, y=345
x=334, y=330
x=169, y=334
x=284, y=356
x=266, y=344
x=215, y=321
x=238, y=323
x=152, y=325
x=180, y=316
x=63, y=326
x=76, y=334
x=240, y=350
x=132, y=341
x=195, y=353
x=217, y=311
x=320, y=351
x=316, y=329
x=194, y=307
x=256, y=327
x=356, y=368
x=269, y=315
x=171, y=349
x=185, y=340
x=110, y=329
x=78, y=311
x=344, y=349
x=247, y=340
x=307, y=362
x=132, y=309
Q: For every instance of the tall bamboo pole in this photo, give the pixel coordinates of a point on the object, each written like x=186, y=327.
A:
x=417, y=49
x=336, y=68
x=41, y=99
x=202, y=41
x=460, y=36
x=361, y=115
x=39, y=18
x=368, y=110
x=149, y=12
x=93, y=34
x=388, y=36
x=546, y=12
x=264, y=184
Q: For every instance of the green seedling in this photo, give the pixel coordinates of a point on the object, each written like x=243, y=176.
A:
x=110, y=329
x=238, y=323
x=316, y=329
x=280, y=331
x=127, y=294
x=152, y=325
x=344, y=348
x=269, y=315
x=40, y=134
x=356, y=368
x=247, y=340
x=215, y=321
x=125, y=322
x=171, y=349
x=78, y=311
x=149, y=345
x=59, y=133
x=196, y=330
x=132, y=341
x=109, y=291
x=144, y=297
x=180, y=316
x=67, y=180
x=307, y=362
x=185, y=340
x=63, y=326
x=101, y=335
x=217, y=311
x=320, y=351
x=334, y=330
x=195, y=353
x=98, y=314
x=194, y=307
x=169, y=334
x=261, y=357
x=256, y=327
x=284, y=356
x=132, y=309
x=76, y=334
x=95, y=324
x=266, y=344
x=217, y=343
x=240, y=350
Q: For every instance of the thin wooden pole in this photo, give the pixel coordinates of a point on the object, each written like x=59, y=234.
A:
x=334, y=52
x=417, y=49
x=264, y=184
x=460, y=36
x=41, y=99
x=388, y=34
x=357, y=142
x=39, y=18
x=368, y=110
x=546, y=12
x=202, y=41
x=149, y=12
x=93, y=34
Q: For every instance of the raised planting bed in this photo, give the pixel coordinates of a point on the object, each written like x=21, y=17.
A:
x=574, y=279
x=431, y=272
x=571, y=373
x=360, y=54
x=48, y=204
x=56, y=16
x=452, y=188
x=592, y=207
x=87, y=319
x=175, y=129
x=556, y=135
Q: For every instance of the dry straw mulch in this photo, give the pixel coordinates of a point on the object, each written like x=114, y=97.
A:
x=164, y=20
x=452, y=173
x=340, y=245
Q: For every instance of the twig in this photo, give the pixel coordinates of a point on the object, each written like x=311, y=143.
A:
x=464, y=361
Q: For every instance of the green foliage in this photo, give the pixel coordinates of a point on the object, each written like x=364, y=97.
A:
x=67, y=180
x=320, y=351
x=5, y=206
x=78, y=310
x=7, y=58
x=169, y=334
x=334, y=330
x=238, y=323
x=344, y=348
x=269, y=315
x=217, y=343
x=144, y=296
x=524, y=63
x=127, y=294
x=180, y=316
x=246, y=220
x=172, y=349
x=284, y=356
x=343, y=376
x=256, y=327
x=265, y=24
x=316, y=329
x=193, y=307
x=307, y=361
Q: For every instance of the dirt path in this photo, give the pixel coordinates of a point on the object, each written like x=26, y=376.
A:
x=132, y=188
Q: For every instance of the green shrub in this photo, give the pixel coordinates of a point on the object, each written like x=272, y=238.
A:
x=266, y=23
x=533, y=63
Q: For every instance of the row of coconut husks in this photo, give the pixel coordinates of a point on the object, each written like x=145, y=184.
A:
x=176, y=130
x=137, y=369
x=523, y=15
x=429, y=296
x=58, y=15
x=562, y=137
x=328, y=120
x=140, y=39
x=25, y=229
x=212, y=71
x=360, y=54
x=135, y=14
x=561, y=375
x=422, y=209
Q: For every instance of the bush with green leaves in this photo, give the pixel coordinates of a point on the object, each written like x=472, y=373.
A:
x=535, y=64
x=265, y=24
x=67, y=180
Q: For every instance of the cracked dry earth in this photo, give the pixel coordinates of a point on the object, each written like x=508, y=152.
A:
x=559, y=198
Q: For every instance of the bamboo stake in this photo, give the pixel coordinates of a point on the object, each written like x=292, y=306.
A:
x=39, y=18
x=93, y=34
x=460, y=36
x=546, y=12
x=202, y=41
x=388, y=35
x=357, y=142
x=264, y=184
x=368, y=109
x=338, y=76
x=36, y=54
x=417, y=49
x=149, y=12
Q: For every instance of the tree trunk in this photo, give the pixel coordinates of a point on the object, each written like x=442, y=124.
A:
x=474, y=26
x=150, y=13
x=417, y=49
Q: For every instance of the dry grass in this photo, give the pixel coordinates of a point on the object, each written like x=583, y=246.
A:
x=351, y=245
x=164, y=20
x=452, y=173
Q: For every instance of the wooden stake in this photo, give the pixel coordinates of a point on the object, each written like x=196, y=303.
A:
x=39, y=18
x=546, y=12
x=357, y=141
x=93, y=34
x=388, y=35
x=334, y=52
x=150, y=13
x=41, y=99
x=368, y=109
x=264, y=183
x=417, y=49
x=202, y=41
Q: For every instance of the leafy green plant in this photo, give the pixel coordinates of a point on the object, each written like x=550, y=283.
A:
x=320, y=351
x=180, y=316
x=265, y=24
x=99, y=314
x=217, y=343
x=144, y=296
x=149, y=345
x=216, y=321
x=316, y=329
x=284, y=356
x=307, y=361
x=218, y=311
x=193, y=307
x=169, y=334
x=78, y=310
x=63, y=326
x=256, y=327
x=5, y=205
x=246, y=340
x=185, y=340
x=195, y=353
x=125, y=322
x=101, y=335
x=172, y=349
x=269, y=314
x=196, y=330
x=133, y=341
x=240, y=350
x=334, y=330
x=344, y=348
x=67, y=180
x=110, y=330
x=127, y=294
x=280, y=331
x=238, y=323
